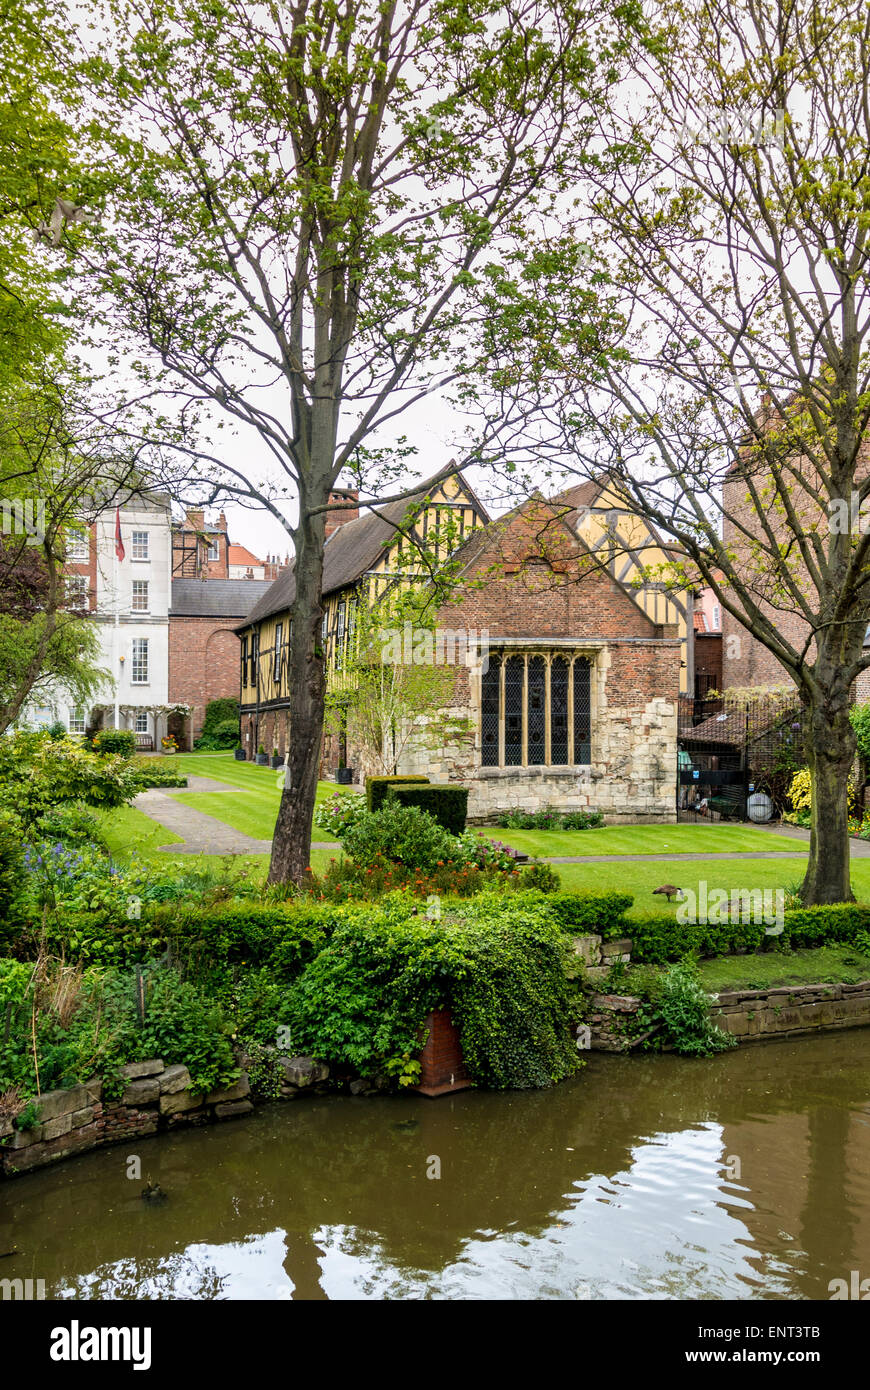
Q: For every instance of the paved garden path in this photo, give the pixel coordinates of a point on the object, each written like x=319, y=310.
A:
x=201, y=834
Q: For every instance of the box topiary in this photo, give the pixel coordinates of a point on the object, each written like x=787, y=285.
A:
x=446, y=803
x=377, y=788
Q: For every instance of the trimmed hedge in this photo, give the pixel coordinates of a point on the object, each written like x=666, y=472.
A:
x=601, y=913
x=284, y=937
x=377, y=788
x=121, y=741
x=657, y=940
x=445, y=802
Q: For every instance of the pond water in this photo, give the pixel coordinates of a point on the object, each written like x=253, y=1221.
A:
x=742, y=1176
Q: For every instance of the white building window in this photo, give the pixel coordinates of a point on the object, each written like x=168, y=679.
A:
x=214, y=549
x=76, y=590
x=141, y=722
x=76, y=720
x=716, y=620
x=140, y=595
x=139, y=672
x=139, y=545
x=78, y=544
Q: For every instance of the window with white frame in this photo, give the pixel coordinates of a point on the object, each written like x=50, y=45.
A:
x=141, y=722
x=78, y=544
x=140, y=595
x=716, y=617
x=139, y=545
x=139, y=665
x=76, y=590
x=214, y=548
x=76, y=721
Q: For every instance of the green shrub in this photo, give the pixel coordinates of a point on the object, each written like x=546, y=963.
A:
x=38, y=772
x=585, y=913
x=218, y=712
x=446, y=803
x=157, y=772
x=540, y=876
x=221, y=736
x=182, y=1025
x=72, y=824
x=120, y=741
x=401, y=833
x=498, y=967
x=283, y=936
x=377, y=788
x=13, y=877
x=682, y=1009
x=342, y=809
x=549, y=819
x=657, y=940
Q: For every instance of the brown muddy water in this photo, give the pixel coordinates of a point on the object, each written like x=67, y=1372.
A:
x=742, y=1176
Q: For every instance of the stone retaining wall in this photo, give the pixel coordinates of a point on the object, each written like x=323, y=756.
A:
x=792, y=1010
x=750, y=1015
x=155, y=1098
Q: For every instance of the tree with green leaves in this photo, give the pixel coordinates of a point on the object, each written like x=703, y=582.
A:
x=306, y=195
x=723, y=384
x=393, y=690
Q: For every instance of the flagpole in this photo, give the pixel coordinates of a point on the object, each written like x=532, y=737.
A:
x=117, y=606
x=117, y=641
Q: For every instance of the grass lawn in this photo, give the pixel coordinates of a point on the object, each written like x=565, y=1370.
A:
x=647, y=839
x=769, y=970
x=128, y=831
x=254, y=807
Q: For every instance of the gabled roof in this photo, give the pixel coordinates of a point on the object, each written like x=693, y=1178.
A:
x=215, y=598
x=351, y=551
x=239, y=555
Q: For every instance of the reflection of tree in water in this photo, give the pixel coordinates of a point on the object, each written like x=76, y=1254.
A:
x=509, y=1162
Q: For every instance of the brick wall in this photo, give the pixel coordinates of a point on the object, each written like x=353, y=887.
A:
x=203, y=664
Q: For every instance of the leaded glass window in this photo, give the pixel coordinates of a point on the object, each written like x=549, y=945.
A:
x=582, y=712
x=559, y=711
x=513, y=711
x=536, y=713
x=489, y=704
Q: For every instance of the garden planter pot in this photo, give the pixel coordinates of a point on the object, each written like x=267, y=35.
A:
x=278, y=761
x=344, y=776
x=241, y=755
x=263, y=759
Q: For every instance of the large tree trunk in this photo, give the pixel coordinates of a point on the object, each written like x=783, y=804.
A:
x=291, y=847
x=830, y=750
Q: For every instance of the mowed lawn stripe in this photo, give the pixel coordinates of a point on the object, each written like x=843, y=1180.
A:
x=648, y=839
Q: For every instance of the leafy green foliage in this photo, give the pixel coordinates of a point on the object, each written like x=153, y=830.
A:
x=681, y=1007
x=12, y=872
x=445, y=803
x=219, y=712
x=548, y=819
x=221, y=736
x=378, y=787
x=656, y=940
x=501, y=971
x=403, y=833
x=341, y=811
x=121, y=741
x=38, y=772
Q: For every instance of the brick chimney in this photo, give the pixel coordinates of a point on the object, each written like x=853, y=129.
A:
x=338, y=518
x=194, y=520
